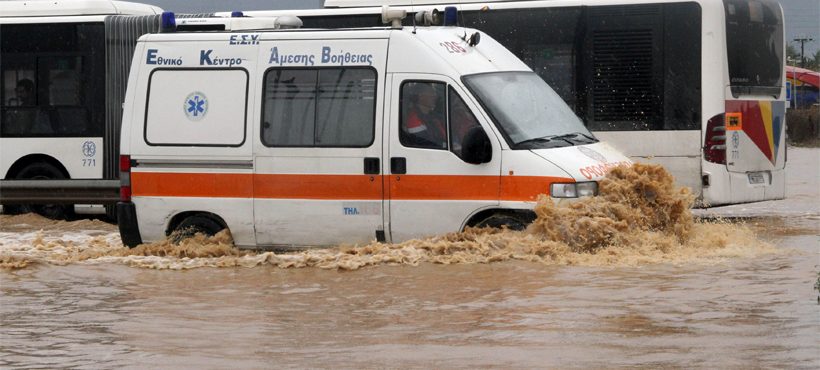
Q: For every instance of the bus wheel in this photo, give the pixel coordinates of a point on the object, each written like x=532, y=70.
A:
x=500, y=220
x=192, y=225
x=43, y=171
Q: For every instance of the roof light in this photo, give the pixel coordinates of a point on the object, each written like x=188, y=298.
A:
x=450, y=16
x=393, y=16
x=168, y=22
x=237, y=14
x=428, y=18
x=287, y=21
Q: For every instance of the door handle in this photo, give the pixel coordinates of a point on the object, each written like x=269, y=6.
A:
x=398, y=165
x=371, y=166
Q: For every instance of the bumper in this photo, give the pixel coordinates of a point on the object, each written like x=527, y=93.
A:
x=127, y=222
x=735, y=187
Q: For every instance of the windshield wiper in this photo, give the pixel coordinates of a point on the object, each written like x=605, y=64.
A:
x=573, y=135
x=538, y=140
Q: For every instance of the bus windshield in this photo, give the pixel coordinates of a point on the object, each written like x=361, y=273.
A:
x=754, y=40
x=529, y=113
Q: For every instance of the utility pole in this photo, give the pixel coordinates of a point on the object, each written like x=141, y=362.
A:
x=802, y=40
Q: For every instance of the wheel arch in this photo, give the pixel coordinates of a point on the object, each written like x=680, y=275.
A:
x=526, y=215
x=30, y=159
x=179, y=217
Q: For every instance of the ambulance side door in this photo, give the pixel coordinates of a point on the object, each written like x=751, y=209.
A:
x=432, y=190
x=318, y=173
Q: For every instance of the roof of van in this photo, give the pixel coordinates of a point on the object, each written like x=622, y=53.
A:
x=418, y=50
x=360, y=3
x=269, y=33
x=52, y=8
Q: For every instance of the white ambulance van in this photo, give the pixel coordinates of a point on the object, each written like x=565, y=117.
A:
x=305, y=137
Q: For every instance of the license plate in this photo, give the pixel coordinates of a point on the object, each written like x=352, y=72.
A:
x=756, y=178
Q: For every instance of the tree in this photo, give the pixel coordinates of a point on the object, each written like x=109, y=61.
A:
x=813, y=62
x=792, y=56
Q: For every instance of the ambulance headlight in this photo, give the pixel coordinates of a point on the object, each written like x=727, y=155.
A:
x=574, y=190
x=587, y=189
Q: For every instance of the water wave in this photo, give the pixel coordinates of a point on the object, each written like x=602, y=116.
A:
x=640, y=217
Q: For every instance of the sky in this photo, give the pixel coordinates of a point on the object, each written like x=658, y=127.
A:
x=802, y=16
x=802, y=19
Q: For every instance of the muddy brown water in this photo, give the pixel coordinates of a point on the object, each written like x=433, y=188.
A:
x=626, y=279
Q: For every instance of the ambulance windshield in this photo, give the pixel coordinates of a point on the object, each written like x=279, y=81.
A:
x=528, y=111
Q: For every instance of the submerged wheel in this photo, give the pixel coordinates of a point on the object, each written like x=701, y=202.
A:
x=500, y=220
x=192, y=225
x=42, y=171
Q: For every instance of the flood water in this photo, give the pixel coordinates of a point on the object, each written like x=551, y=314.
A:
x=664, y=291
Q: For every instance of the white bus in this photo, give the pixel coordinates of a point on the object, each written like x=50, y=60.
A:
x=696, y=86
x=63, y=69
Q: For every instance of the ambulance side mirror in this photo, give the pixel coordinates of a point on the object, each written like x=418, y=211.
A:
x=476, y=147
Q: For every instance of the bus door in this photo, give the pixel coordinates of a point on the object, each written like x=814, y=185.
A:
x=431, y=189
x=317, y=167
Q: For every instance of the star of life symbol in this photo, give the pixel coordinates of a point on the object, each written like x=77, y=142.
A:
x=735, y=140
x=89, y=148
x=196, y=106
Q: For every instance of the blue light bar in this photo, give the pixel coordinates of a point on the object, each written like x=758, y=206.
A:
x=237, y=14
x=168, y=22
x=450, y=16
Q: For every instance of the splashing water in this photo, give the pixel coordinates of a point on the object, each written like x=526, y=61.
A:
x=640, y=217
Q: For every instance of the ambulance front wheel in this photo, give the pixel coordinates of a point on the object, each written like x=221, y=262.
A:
x=192, y=225
x=500, y=220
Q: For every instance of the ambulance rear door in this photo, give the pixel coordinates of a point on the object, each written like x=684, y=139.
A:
x=318, y=168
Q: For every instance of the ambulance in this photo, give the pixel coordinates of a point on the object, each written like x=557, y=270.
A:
x=293, y=138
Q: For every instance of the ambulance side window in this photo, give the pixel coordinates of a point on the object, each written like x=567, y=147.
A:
x=329, y=107
x=423, y=116
x=462, y=121
x=431, y=119
x=290, y=107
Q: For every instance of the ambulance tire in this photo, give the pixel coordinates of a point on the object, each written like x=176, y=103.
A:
x=500, y=220
x=192, y=225
x=43, y=171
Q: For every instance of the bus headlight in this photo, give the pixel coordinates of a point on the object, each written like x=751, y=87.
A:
x=574, y=190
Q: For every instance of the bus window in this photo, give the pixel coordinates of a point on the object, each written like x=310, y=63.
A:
x=63, y=80
x=18, y=88
x=61, y=103
x=552, y=55
x=344, y=21
x=754, y=38
x=21, y=115
x=620, y=68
